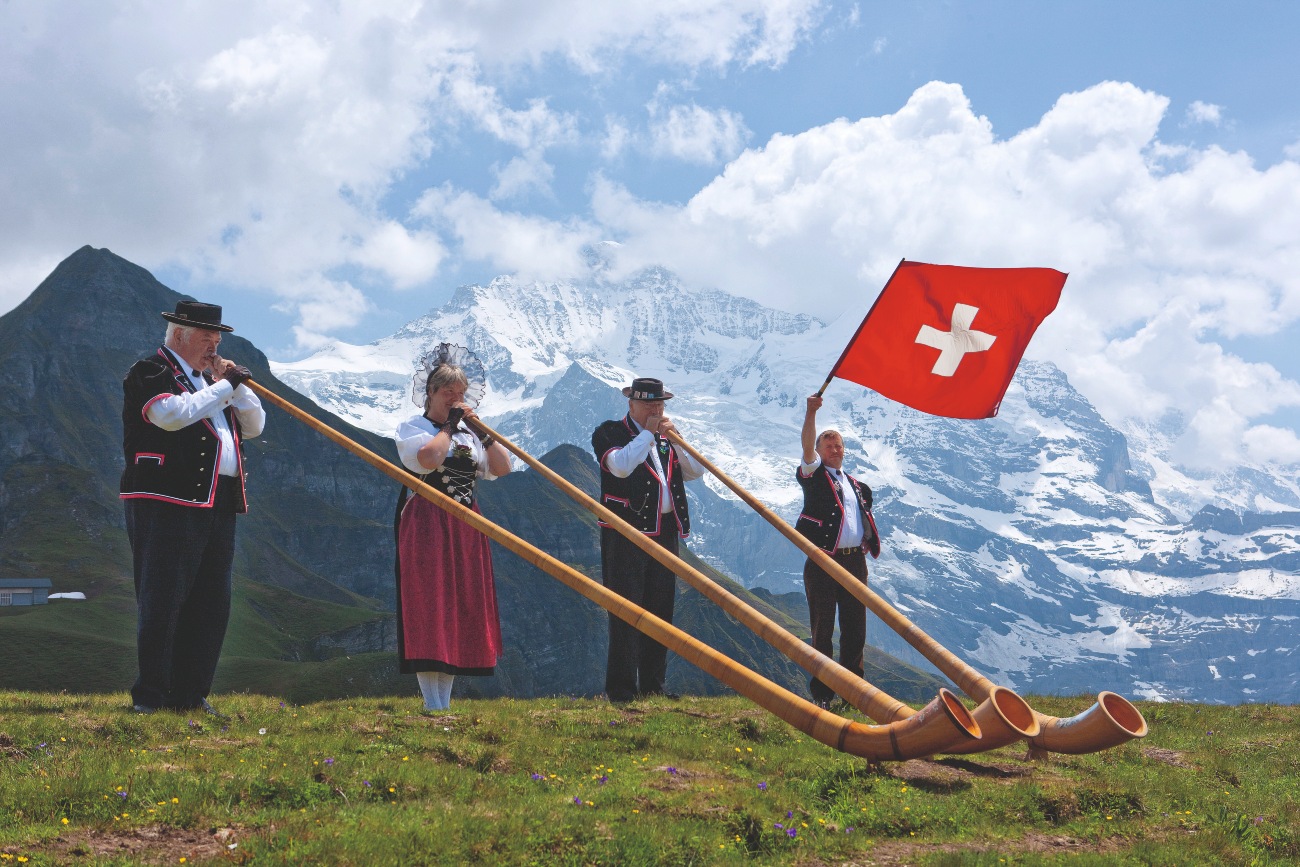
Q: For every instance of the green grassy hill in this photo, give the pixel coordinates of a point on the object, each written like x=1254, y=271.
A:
x=564, y=781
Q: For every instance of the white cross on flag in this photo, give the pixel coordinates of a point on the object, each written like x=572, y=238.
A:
x=946, y=339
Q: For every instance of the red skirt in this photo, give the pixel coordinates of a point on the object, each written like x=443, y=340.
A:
x=446, y=595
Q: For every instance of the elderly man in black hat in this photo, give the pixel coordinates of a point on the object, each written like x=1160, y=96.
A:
x=184, y=415
x=641, y=481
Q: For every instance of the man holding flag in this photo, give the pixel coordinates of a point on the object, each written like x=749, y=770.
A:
x=836, y=517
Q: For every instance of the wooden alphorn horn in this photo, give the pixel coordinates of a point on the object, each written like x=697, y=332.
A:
x=929, y=731
x=871, y=700
x=1004, y=716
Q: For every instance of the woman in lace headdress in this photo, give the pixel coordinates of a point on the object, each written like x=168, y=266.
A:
x=447, y=621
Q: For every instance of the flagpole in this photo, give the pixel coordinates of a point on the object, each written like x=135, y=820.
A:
x=862, y=325
x=943, y=723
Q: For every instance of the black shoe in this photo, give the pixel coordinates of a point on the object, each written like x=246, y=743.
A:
x=210, y=710
x=143, y=709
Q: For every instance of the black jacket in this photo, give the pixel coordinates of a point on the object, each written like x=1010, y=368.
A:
x=174, y=466
x=823, y=513
x=635, y=499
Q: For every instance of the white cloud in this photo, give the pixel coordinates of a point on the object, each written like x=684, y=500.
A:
x=696, y=135
x=531, y=247
x=1205, y=112
x=255, y=143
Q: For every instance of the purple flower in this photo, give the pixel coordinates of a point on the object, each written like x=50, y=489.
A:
x=366, y=783
x=762, y=787
x=604, y=778
x=41, y=746
x=537, y=776
x=281, y=705
x=122, y=795
x=672, y=771
x=848, y=830
x=791, y=833
x=193, y=724
x=778, y=826
x=577, y=800
x=329, y=761
x=789, y=814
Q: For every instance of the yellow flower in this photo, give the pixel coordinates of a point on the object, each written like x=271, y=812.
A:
x=65, y=820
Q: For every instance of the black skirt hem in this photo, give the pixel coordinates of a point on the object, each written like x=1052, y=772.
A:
x=414, y=666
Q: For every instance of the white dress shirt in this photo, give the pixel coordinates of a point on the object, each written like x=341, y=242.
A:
x=177, y=411
x=851, y=528
x=622, y=462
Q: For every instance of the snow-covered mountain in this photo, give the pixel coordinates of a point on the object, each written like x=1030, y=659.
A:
x=1031, y=544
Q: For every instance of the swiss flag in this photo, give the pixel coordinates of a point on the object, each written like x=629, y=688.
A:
x=946, y=339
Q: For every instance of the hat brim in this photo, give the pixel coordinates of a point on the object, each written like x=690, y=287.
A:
x=194, y=323
x=627, y=392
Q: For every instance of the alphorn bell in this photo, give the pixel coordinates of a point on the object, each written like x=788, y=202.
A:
x=1003, y=715
x=872, y=701
x=940, y=723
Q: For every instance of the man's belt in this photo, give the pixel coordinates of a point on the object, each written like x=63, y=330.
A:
x=844, y=552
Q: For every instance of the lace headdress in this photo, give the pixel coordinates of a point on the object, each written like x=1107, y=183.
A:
x=455, y=356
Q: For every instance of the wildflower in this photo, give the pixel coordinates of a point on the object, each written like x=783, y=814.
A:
x=672, y=771
x=65, y=820
x=603, y=779
x=762, y=787
x=537, y=776
x=366, y=783
x=121, y=794
x=778, y=826
x=329, y=761
x=577, y=800
x=791, y=833
x=848, y=830
x=261, y=731
x=789, y=814
x=176, y=800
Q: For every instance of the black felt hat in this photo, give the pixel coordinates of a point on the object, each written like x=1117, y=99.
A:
x=196, y=314
x=645, y=388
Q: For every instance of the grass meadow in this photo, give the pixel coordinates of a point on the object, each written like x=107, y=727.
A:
x=376, y=781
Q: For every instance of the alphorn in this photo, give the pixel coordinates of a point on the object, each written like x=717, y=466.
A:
x=940, y=723
x=1003, y=715
x=869, y=699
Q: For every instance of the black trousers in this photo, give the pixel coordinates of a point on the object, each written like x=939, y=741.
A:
x=636, y=664
x=825, y=595
x=183, y=557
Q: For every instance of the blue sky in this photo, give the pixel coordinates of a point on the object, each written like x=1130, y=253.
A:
x=329, y=171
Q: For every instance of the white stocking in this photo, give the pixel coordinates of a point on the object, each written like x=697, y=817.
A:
x=444, y=688
x=429, y=688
